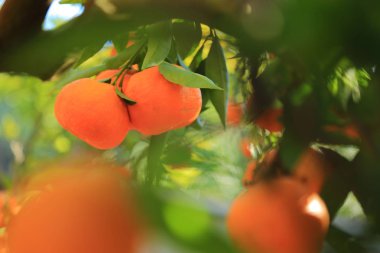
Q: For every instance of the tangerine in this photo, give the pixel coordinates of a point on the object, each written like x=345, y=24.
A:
x=311, y=169
x=85, y=210
x=93, y=112
x=269, y=120
x=249, y=173
x=161, y=105
x=245, y=144
x=234, y=113
x=278, y=216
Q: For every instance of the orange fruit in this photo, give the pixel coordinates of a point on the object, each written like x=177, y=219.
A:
x=249, y=173
x=3, y=245
x=234, y=113
x=278, y=216
x=161, y=105
x=245, y=147
x=3, y=200
x=82, y=211
x=270, y=120
x=93, y=112
x=311, y=169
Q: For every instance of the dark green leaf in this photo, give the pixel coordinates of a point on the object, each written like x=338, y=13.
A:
x=120, y=42
x=184, y=77
x=110, y=63
x=126, y=55
x=88, y=52
x=216, y=70
x=187, y=36
x=159, y=44
x=172, y=56
x=124, y=97
x=80, y=73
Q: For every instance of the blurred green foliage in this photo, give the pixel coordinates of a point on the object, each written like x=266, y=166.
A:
x=298, y=64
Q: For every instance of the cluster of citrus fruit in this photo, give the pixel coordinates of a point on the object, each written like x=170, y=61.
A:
x=94, y=112
x=74, y=209
x=283, y=213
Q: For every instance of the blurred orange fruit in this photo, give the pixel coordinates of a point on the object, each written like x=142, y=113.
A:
x=311, y=169
x=249, y=173
x=270, y=120
x=161, y=105
x=79, y=210
x=278, y=216
x=93, y=112
x=235, y=113
x=245, y=144
x=350, y=131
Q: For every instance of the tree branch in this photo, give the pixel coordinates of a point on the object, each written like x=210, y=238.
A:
x=49, y=49
x=20, y=19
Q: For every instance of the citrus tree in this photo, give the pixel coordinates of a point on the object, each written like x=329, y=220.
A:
x=190, y=126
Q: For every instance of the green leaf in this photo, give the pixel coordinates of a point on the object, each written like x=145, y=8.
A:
x=186, y=78
x=172, y=56
x=110, y=63
x=80, y=73
x=120, y=41
x=216, y=70
x=126, y=55
x=154, y=165
x=187, y=37
x=124, y=97
x=72, y=1
x=88, y=52
x=159, y=44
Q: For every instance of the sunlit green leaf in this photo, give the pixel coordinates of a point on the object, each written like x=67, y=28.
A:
x=88, y=52
x=159, y=44
x=186, y=78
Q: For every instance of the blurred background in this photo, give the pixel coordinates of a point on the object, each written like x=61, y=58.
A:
x=204, y=168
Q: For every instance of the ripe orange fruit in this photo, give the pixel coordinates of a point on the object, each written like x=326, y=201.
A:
x=234, y=113
x=311, y=169
x=93, y=112
x=3, y=245
x=278, y=216
x=81, y=211
x=161, y=105
x=269, y=120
